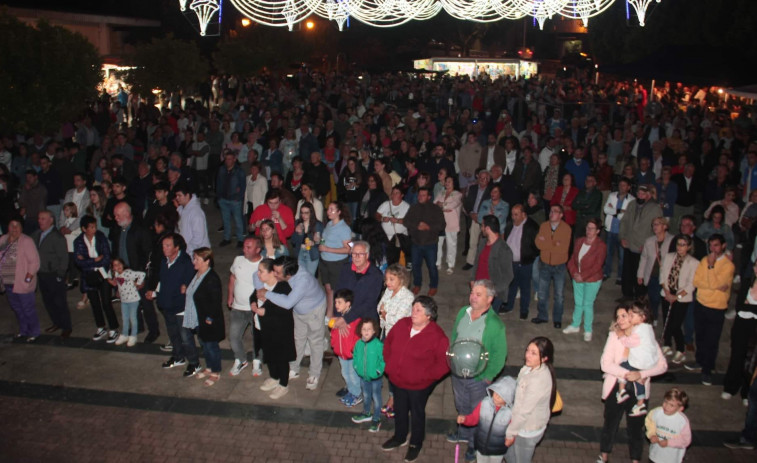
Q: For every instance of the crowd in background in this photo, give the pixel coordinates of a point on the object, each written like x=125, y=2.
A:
x=354, y=180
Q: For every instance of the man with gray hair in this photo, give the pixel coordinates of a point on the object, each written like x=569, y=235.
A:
x=477, y=322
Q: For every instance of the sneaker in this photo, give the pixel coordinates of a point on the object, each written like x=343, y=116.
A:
x=294, y=374
x=362, y=418
x=739, y=444
x=167, y=347
x=745, y=402
x=392, y=444
x=375, y=426
x=600, y=460
x=667, y=351
x=278, y=392
x=115, y=300
x=192, y=369
x=695, y=367
x=100, y=335
x=238, y=367
x=706, y=379
x=312, y=383
x=412, y=453
x=450, y=271
x=638, y=410
x=256, y=368
x=132, y=341
x=571, y=329
x=172, y=362
x=455, y=438
x=121, y=340
x=470, y=455
x=389, y=413
x=352, y=400
x=679, y=358
x=621, y=396
x=726, y=395
x=342, y=392
x=587, y=337
x=343, y=400
x=112, y=336
x=269, y=385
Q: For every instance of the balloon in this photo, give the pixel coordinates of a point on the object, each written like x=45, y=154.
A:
x=467, y=358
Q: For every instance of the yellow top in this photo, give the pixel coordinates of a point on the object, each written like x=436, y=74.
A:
x=710, y=282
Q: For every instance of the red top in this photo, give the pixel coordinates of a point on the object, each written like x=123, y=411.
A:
x=417, y=362
x=593, y=262
x=569, y=216
x=263, y=212
x=482, y=271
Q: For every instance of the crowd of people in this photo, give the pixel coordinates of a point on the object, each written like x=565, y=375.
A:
x=339, y=189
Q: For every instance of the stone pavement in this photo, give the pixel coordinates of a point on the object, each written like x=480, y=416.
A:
x=77, y=400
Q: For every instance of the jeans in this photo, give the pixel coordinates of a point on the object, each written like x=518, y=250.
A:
x=584, y=295
x=372, y=392
x=173, y=329
x=239, y=320
x=188, y=341
x=522, y=450
x=521, y=280
x=129, y=317
x=547, y=274
x=708, y=324
x=212, y=352
x=640, y=390
x=304, y=260
x=468, y=393
x=53, y=290
x=231, y=210
x=425, y=253
x=349, y=375
x=653, y=293
x=749, y=433
x=613, y=415
x=613, y=245
x=535, y=275
x=451, y=238
x=309, y=327
x=26, y=313
x=406, y=403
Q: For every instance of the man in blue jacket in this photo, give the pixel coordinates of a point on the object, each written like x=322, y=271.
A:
x=176, y=270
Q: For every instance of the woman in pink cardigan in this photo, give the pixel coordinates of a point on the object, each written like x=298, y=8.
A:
x=19, y=264
x=612, y=357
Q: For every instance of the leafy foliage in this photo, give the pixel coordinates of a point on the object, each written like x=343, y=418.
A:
x=47, y=74
x=242, y=56
x=166, y=63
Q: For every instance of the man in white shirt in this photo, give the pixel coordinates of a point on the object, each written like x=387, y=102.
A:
x=257, y=187
x=241, y=287
x=78, y=195
x=547, y=152
x=193, y=225
x=494, y=153
x=390, y=214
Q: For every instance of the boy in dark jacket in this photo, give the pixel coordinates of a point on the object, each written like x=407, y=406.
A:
x=491, y=418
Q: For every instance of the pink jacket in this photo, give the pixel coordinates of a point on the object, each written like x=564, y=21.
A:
x=27, y=261
x=612, y=357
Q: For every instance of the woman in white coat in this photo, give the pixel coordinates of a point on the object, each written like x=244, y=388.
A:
x=650, y=263
x=677, y=282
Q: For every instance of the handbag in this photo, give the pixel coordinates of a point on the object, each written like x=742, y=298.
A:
x=557, y=406
x=94, y=279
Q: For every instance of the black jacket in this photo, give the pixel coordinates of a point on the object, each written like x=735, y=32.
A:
x=528, y=250
x=470, y=198
x=138, y=246
x=208, y=302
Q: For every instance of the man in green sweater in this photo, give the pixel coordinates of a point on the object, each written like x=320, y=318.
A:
x=480, y=323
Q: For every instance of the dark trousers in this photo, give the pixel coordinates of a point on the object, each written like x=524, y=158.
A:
x=631, y=289
x=673, y=316
x=173, y=328
x=279, y=370
x=614, y=415
x=708, y=324
x=749, y=433
x=653, y=295
x=99, y=299
x=147, y=309
x=53, y=291
x=425, y=253
x=393, y=251
x=407, y=403
x=521, y=280
x=737, y=377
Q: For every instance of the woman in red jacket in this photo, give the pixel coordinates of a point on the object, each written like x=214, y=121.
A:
x=564, y=196
x=415, y=355
x=585, y=268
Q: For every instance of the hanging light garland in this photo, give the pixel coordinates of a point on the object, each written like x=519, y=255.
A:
x=390, y=13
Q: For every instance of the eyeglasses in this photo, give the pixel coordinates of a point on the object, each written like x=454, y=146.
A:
x=358, y=253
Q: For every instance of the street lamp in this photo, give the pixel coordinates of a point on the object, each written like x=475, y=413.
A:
x=246, y=22
x=310, y=25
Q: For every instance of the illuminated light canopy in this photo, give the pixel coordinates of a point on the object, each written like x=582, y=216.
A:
x=390, y=13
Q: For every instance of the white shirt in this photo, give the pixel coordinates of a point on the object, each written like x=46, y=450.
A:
x=387, y=209
x=489, y=157
x=514, y=239
x=243, y=271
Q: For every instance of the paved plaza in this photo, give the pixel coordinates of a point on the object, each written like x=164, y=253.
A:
x=78, y=400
